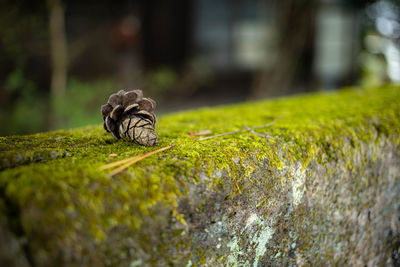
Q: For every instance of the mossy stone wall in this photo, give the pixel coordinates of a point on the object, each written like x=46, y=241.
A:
x=321, y=187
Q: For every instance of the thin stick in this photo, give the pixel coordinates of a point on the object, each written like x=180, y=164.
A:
x=119, y=162
x=238, y=131
x=253, y=132
x=258, y=134
x=114, y=164
x=218, y=135
x=203, y=132
x=138, y=158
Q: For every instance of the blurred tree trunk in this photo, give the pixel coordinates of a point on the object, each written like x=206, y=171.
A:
x=59, y=64
x=295, y=46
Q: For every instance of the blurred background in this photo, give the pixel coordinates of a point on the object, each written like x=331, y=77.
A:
x=61, y=59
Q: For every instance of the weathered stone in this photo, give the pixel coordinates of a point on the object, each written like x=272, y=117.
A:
x=322, y=187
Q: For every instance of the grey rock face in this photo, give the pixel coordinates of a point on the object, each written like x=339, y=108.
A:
x=319, y=215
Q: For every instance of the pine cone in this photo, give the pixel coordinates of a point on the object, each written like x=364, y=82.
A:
x=129, y=116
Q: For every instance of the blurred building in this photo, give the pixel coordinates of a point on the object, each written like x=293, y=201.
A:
x=337, y=43
x=238, y=40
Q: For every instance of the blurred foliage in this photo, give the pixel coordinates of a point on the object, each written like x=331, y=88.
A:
x=166, y=80
x=23, y=40
x=81, y=103
x=25, y=115
x=80, y=106
x=373, y=70
x=161, y=80
x=23, y=57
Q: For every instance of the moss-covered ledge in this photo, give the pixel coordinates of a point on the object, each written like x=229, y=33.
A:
x=323, y=188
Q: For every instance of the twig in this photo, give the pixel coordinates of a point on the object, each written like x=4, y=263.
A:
x=138, y=158
x=203, y=132
x=258, y=134
x=114, y=164
x=218, y=135
x=128, y=162
x=253, y=132
x=238, y=131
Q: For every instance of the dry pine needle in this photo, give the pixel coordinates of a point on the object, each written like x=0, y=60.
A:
x=125, y=163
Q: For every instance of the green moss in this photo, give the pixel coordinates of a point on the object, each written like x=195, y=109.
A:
x=55, y=175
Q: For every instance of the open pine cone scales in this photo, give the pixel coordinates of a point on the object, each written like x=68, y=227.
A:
x=130, y=116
